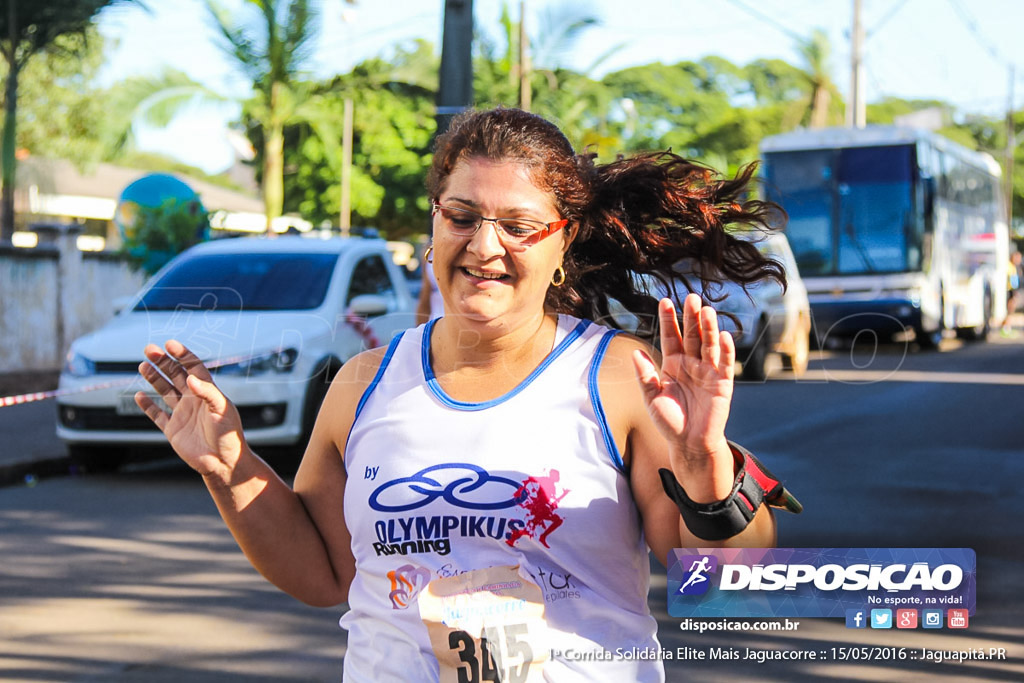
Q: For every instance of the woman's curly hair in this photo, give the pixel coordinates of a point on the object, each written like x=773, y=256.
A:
x=650, y=217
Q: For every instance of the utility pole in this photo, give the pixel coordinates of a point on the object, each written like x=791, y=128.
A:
x=345, y=220
x=856, y=109
x=455, y=89
x=1011, y=145
x=525, y=92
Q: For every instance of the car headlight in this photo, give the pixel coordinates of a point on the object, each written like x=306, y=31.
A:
x=276, y=361
x=77, y=365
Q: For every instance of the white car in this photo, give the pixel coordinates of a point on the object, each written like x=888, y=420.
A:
x=275, y=318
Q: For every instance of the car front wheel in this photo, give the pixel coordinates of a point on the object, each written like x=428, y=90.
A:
x=755, y=367
x=316, y=392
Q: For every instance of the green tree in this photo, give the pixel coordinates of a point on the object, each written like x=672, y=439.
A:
x=26, y=28
x=159, y=233
x=394, y=122
x=988, y=134
x=888, y=109
x=58, y=114
x=775, y=81
x=62, y=114
x=586, y=111
x=673, y=105
x=271, y=44
x=496, y=68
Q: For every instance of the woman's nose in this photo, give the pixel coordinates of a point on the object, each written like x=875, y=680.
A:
x=486, y=241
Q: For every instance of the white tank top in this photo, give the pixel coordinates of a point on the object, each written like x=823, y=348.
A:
x=438, y=487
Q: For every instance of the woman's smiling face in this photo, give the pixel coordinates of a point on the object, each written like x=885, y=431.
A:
x=481, y=279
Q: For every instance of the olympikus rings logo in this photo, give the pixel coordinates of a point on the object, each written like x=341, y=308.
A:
x=785, y=582
x=468, y=486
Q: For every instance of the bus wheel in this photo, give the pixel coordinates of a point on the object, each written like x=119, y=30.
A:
x=929, y=340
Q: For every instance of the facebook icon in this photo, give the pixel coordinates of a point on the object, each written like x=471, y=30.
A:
x=856, y=618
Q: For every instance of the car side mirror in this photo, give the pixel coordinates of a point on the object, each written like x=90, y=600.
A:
x=369, y=305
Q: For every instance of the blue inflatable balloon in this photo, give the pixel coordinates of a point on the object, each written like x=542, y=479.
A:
x=150, y=191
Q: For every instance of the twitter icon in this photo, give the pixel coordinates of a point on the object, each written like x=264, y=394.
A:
x=881, y=618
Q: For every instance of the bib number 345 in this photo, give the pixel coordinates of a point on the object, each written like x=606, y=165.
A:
x=499, y=655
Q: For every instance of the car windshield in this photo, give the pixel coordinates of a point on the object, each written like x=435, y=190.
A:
x=253, y=282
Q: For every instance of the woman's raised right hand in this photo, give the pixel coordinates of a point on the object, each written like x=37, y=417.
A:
x=204, y=427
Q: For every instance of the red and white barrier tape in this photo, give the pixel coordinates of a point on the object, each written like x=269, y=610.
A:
x=42, y=395
x=362, y=327
x=359, y=324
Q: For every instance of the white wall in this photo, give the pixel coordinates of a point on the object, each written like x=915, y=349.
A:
x=51, y=295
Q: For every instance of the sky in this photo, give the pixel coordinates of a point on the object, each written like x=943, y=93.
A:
x=959, y=51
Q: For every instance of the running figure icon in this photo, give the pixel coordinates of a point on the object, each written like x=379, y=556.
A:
x=539, y=500
x=696, y=570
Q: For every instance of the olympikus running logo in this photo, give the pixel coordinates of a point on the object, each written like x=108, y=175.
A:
x=469, y=487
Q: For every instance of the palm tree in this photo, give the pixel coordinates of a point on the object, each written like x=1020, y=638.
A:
x=559, y=30
x=815, y=52
x=154, y=100
x=271, y=49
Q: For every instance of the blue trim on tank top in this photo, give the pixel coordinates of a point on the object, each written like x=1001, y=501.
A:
x=392, y=347
x=435, y=387
x=595, y=400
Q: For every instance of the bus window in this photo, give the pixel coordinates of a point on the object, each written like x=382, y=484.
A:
x=876, y=209
x=801, y=182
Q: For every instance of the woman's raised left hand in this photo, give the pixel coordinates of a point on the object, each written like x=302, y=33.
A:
x=688, y=397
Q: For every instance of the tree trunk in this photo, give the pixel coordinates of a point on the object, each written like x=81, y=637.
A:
x=273, y=161
x=819, y=107
x=8, y=164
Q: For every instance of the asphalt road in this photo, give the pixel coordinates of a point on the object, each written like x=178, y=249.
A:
x=131, y=577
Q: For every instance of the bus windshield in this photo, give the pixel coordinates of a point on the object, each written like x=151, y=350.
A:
x=851, y=210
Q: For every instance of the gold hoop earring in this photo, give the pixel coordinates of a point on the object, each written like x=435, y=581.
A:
x=558, y=279
x=426, y=254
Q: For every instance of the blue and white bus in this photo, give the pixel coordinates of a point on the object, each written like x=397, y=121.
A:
x=893, y=229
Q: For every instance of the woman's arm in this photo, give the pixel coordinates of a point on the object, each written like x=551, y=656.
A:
x=675, y=418
x=296, y=538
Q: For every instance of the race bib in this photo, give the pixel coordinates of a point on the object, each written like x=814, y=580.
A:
x=486, y=625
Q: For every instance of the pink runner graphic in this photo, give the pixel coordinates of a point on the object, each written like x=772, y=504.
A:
x=540, y=503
